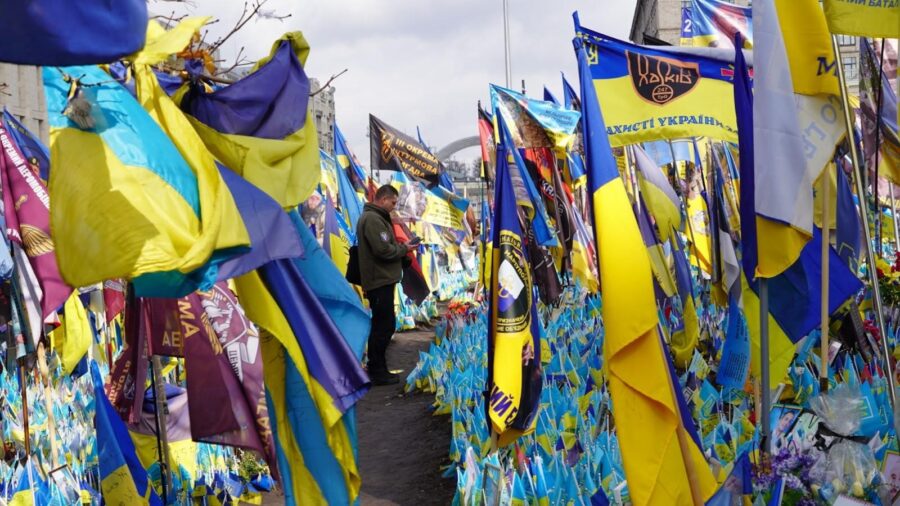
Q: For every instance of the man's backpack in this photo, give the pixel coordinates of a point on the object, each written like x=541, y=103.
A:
x=353, y=275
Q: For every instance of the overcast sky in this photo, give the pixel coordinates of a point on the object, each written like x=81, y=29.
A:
x=421, y=62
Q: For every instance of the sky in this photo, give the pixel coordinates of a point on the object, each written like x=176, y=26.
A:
x=422, y=63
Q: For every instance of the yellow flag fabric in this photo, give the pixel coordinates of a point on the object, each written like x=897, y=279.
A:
x=684, y=341
x=867, y=18
x=781, y=349
x=645, y=410
x=796, y=127
x=650, y=94
x=125, y=201
x=663, y=463
x=285, y=168
x=161, y=43
x=279, y=344
x=73, y=337
x=698, y=233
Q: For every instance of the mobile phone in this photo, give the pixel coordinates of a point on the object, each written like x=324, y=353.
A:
x=414, y=241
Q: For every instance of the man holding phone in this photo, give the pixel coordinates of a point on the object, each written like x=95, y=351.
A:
x=381, y=267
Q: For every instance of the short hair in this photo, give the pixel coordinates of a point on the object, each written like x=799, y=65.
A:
x=386, y=191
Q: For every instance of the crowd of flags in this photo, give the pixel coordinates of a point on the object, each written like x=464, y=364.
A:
x=637, y=241
x=688, y=190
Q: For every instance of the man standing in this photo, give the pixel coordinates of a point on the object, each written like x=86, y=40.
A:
x=380, y=267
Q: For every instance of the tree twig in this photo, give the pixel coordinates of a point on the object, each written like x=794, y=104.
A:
x=328, y=82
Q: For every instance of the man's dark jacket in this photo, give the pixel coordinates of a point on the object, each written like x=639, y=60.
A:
x=380, y=256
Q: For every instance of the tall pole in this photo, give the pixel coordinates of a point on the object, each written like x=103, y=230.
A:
x=826, y=244
x=162, y=438
x=506, y=53
x=864, y=217
x=766, y=393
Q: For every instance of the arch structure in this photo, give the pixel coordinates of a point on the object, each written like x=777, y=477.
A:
x=458, y=145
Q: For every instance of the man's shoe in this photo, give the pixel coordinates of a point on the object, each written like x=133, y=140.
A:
x=384, y=378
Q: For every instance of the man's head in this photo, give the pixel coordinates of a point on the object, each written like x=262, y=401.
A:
x=386, y=197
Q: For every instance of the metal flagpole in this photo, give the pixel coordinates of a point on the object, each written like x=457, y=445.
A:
x=826, y=244
x=162, y=437
x=506, y=53
x=861, y=191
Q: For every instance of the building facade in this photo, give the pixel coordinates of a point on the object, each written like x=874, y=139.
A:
x=321, y=106
x=22, y=93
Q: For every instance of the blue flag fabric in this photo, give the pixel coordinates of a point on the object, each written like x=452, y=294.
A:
x=330, y=359
x=255, y=106
x=348, y=162
x=847, y=236
x=63, y=32
x=570, y=97
x=33, y=149
x=735, y=364
x=123, y=479
x=548, y=96
x=272, y=234
x=332, y=290
x=795, y=295
x=350, y=203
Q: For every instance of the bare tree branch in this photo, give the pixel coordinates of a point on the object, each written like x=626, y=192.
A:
x=328, y=82
x=3, y=88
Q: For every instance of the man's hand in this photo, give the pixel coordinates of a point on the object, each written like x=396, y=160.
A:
x=410, y=247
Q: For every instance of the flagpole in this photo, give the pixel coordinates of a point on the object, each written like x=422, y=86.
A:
x=766, y=393
x=162, y=437
x=870, y=254
x=27, y=337
x=506, y=52
x=826, y=244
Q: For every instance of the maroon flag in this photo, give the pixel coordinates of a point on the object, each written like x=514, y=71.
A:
x=129, y=373
x=27, y=210
x=223, y=363
x=113, y=298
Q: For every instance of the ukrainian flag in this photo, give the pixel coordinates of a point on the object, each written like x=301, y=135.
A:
x=795, y=92
x=652, y=94
x=685, y=338
x=714, y=23
x=314, y=440
x=659, y=196
x=150, y=213
x=663, y=463
x=123, y=479
x=261, y=127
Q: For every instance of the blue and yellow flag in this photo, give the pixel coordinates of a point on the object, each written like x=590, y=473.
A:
x=153, y=213
x=795, y=93
x=651, y=94
x=664, y=463
x=660, y=197
x=260, y=126
x=347, y=161
x=314, y=440
x=123, y=479
x=714, y=23
x=514, y=348
x=864, y=18
x=60, y=32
